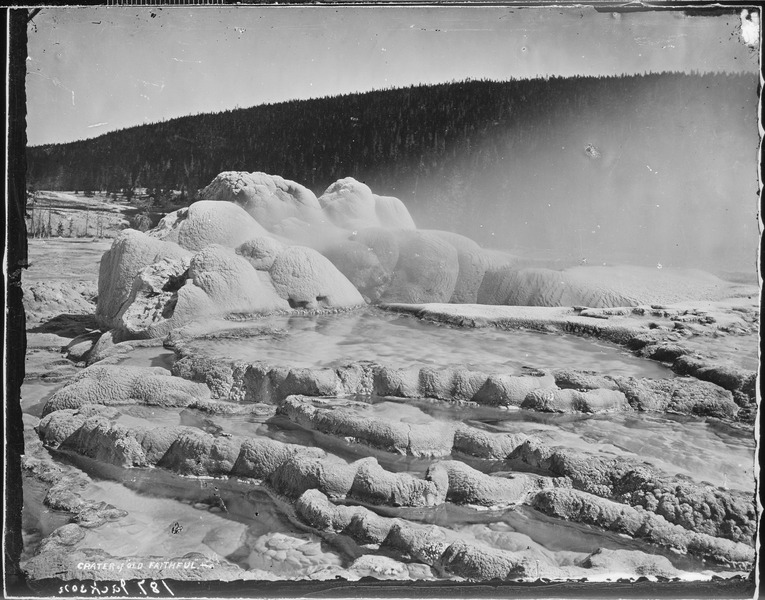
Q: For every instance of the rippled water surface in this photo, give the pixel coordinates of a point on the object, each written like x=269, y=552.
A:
x=403, y=341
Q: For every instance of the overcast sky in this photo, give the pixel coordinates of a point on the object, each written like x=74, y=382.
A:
x=96, y=69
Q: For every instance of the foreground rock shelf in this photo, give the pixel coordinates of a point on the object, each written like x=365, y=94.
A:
x=698, y=520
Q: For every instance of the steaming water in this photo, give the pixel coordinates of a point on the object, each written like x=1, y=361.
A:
x=402, y=341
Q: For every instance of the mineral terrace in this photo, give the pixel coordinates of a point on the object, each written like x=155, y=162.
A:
x=184, y=419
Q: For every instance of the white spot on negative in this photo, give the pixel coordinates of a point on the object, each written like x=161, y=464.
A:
x=750, y=27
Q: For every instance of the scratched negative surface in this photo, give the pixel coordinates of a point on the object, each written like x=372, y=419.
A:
x=426, y=295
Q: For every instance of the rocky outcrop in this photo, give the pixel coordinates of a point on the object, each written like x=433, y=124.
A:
x=262, y=276
x=629, y=562
x=115, y=385
x=66, y=494
x=679, y=395
x=288, y=469
x=355, y=421
x=45, y=300
x=350, y=205
x=261, y=382
x=725, y=391
x=697, y=507
x=268, y=199
x=738, y=381
x=684, y=395
x=149, y=310
x=430, y=545
x=308, y=280
x=575, y=505
x=569, y=400
x=131, y=252
x=207, y=223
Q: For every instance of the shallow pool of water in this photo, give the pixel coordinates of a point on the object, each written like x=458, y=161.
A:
x=404, y=341
x=169, y=516
x=704, y=450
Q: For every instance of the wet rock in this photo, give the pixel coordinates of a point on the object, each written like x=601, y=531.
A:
x=570, y=400
x=509, y=390
x=586, y=508
x=583, y=380
x=78, y=349
x=384, y=568
x=483, y=444
x=403, y=383
x=156, y=442
x=311, y=382
x=727, y=377
x=664, y=352
x=450, y=384
x=59, y=426
x=195, y=452
x=697, y=507
x=369, y=528
x=299, y=473
x=373, y=484
x=95, y=515
x=259, y=457
x=631, y=562
x=108, y=348
x=66, y=495
x=114, y=385
x=469, y=486
x=308, y=280
x=289, y=556
x=316, y=509
x=483, y=564
x=680, y=395
x=218, y=375
x=99, y=440
x=66, y=535
x=433, y=439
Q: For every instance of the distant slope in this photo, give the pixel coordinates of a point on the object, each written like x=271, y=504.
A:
x=652, y=169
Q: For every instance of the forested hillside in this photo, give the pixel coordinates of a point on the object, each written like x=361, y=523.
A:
x=651, y=164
